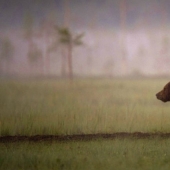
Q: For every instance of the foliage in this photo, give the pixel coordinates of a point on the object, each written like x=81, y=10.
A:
x=66, y=37
x=78, y=39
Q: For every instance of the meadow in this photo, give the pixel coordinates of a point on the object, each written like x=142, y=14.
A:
x=118, y=154
x=56, y=107
x=85, y=106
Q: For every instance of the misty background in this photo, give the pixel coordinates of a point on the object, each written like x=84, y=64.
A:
x=118, y=37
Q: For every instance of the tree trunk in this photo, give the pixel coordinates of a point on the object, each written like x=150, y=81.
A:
x=70, y=67
x=47, y=63
x=47, y=56
x=63, y=63
x=30, y=49
x=123, y=16
x=7, y=67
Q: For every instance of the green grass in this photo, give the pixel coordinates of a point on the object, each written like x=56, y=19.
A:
x=85, y=106
x=51, y=107
x=128, y=154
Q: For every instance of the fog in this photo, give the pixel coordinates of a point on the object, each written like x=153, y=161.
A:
x=118, y=38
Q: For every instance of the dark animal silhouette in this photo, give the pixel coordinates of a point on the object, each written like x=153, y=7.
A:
x=164, y=95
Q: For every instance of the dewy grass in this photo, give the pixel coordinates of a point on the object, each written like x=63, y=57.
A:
x=86, y=106
x=129, y=154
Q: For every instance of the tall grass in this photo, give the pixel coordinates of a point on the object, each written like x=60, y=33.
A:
x=85, y=106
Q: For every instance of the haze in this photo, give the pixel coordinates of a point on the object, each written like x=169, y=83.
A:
x=120, y=37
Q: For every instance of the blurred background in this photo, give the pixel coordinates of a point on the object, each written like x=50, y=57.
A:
x=79, y=38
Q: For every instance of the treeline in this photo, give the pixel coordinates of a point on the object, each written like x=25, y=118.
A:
x=52, y=38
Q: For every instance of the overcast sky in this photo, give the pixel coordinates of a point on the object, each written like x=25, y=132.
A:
x=98, y=19
x=82, y=13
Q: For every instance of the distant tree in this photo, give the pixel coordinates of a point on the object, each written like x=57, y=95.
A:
x=69, y=41
x=123, y=28
x=28, y=30
x=29, y=34
x=34, y=55
x=6, y=52
x=47, y=34
x=35, y=58
x=108, y=67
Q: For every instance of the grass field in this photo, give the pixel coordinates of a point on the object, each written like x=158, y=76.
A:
x=86, y=106
x=118, y=154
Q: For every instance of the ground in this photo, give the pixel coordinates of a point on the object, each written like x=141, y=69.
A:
x=88, y=124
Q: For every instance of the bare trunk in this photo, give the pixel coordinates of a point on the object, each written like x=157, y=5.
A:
x=70, y=68
x=63, y=64
x=123, y=13
x=7, y=67
x=47, y=56
x=47, y=62
x=30, y=49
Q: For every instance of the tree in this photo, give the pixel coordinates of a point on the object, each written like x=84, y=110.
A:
x=35, y=59
x=69, y=41
x=7, y=52
x=47, y=33
x=123, y=50
x=34, y=55
x=28, y=30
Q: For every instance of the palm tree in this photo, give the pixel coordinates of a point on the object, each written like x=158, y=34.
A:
x=35, y=56
x=123, y=26
x=28, y=30
x=7, y=52
x=47, y=33
x=67, y=39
